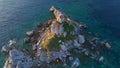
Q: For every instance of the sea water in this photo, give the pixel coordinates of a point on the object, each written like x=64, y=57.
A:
x=101, y=16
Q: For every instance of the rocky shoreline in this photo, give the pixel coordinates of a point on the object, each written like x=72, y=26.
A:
x=57, y=42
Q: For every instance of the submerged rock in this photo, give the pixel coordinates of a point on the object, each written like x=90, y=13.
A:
x=107, y=45
x=86, y=53
x=27, y=40
x=101, y=59
x=39, y=25
x=76, y=63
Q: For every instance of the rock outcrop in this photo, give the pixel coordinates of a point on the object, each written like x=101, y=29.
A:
x=6, y=49
x=18, y=59
x=68, y=41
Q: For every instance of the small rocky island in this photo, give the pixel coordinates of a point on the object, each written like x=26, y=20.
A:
x=59, y=43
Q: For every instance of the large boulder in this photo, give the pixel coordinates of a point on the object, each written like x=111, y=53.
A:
x=18, y=59
x=76, y=44
x=30, y=33
x=107, y=45
x=81, y=39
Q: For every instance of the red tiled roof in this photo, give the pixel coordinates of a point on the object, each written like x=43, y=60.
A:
x=61, y=16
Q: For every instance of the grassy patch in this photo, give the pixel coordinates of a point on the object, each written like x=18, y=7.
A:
x=69, y=37
x=54, y=44
x=68, y=28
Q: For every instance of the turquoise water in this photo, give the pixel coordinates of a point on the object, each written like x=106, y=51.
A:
x=102, y=17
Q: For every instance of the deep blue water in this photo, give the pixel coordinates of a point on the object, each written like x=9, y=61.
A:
x=101, y=16
x=109, y=15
